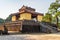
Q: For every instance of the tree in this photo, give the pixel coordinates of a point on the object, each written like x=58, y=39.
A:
x=47, y=18
x=57, y=14
x=8, y=18
x=53, y=9
x=1, y=20
x=53, y=20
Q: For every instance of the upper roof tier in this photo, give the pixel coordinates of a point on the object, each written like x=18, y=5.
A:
x=26, y=9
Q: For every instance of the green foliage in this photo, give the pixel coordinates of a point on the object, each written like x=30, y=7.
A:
x=53, y=20
x=57, y=0
x=53, y=9
x=54, y=6
x=57, y=14
x=8, y=18
x=59, y=25
x=47, y=17
x=1, y=20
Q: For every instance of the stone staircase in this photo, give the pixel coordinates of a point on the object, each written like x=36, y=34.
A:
x=45, y=27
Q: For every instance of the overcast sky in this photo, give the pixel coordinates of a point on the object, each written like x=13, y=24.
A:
x=11, y=6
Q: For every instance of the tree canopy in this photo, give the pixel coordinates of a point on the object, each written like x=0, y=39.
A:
x=57, y=14
x=53, y=9
x=1, y=20
x=8, y=18
x=47, y=17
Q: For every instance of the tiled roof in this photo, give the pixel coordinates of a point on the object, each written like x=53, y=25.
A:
x=33, y=12
x=15, y=14
x=26, y=9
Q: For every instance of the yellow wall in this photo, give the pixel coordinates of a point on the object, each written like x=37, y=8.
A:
x=39, y=18
x=13, y=18
x=26, y=16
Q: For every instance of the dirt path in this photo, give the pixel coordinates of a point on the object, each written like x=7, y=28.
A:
x=31, y=37
x=44, y=37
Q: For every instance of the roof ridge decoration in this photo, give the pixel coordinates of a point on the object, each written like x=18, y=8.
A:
x=26, y=7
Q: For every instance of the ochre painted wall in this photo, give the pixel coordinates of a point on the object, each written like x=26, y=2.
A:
x=26, y=16
x=14, y=18
x=39, y=17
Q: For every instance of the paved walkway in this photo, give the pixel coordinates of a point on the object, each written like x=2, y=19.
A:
x=31, y=37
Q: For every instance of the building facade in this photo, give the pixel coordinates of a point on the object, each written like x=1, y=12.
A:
x=25, y=20
x=27, y=13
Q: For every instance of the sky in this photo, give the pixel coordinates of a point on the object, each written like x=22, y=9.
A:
x=8, y=7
